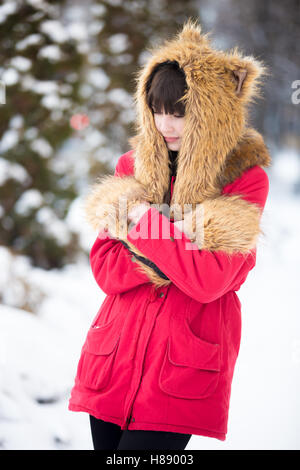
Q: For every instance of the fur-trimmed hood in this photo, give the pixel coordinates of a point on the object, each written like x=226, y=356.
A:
x=217, y=147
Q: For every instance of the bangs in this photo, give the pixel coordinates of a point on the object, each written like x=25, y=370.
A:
x=165, y=88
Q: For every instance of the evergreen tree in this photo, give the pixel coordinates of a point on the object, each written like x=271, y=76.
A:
x=40, y=66
x=120, y=32
x=59, y=58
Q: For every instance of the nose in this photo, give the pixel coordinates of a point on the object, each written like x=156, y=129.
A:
x=166, y=125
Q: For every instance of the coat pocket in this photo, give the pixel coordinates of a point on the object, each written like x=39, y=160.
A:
x=97, y=356
x=191, y=366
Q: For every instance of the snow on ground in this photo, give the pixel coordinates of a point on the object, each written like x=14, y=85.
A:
x=38, y=359
x=39, y=352
x=265, y=407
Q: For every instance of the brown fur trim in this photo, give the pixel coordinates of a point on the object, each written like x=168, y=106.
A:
x=215, y=119
x=250, y=151
x=226, y=223
x=230, y=223
x=153, y=277
x=110, y=200
x=216, y=148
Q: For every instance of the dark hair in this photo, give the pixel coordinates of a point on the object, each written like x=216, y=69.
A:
x=165, y=87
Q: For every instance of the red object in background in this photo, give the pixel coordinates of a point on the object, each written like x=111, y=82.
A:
x=79, y=121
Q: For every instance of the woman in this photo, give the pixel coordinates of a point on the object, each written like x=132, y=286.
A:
x=178, y=228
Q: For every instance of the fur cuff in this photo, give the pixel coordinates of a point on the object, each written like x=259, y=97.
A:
x=225, y=223
x=109, y=202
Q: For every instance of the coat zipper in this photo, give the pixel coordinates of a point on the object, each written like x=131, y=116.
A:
x=129, y=408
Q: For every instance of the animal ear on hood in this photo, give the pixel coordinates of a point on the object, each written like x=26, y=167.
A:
x=192, y=32
x=239, y=75
x=246, y=74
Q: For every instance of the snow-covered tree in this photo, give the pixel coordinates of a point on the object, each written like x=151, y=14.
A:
x=60, y=58
x=120, y=32
x=40, y=65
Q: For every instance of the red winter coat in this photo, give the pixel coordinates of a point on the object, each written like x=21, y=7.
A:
x=163, y=359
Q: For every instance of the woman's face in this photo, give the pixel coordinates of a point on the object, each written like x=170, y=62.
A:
x=171, y=128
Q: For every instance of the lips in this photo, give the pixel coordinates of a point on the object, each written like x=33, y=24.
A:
x=171, y=139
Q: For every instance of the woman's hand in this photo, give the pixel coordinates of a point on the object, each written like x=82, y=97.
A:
x=138, y=211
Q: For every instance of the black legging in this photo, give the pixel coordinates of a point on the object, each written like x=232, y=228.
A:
x=109, y=436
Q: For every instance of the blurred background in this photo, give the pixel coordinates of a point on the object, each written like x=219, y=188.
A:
x=67, y=73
